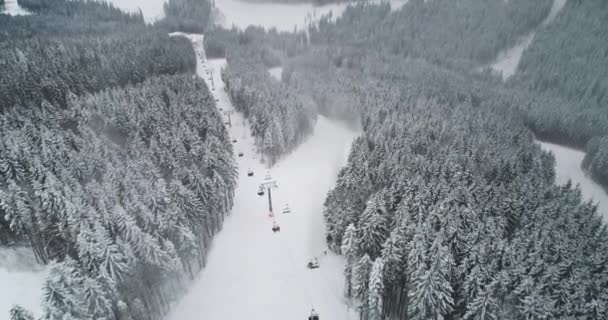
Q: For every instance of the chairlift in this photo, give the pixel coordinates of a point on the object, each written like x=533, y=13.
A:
x=313, y=264
x=250, y=173
x=240, y=154
x=260, y=191
x=314, y=315
x=275, y=227
x=286, y=209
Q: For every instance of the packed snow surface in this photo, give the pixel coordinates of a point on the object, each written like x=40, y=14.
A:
x=253, y=273
x=11, y=7
x=507, y=61
x=282, y=16
x=568, y=167
x=151, y=9
x=276, y=72
x=21, y=280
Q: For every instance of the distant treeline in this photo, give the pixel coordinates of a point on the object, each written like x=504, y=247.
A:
x=47, y=69
x=192, y=16
x=457, y=34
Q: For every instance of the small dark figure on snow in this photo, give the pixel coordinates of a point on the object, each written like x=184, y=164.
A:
x=276, y=228
x=314, y=315
x=313, y=264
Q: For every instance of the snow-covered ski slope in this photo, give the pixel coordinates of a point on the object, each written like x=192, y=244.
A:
x=253, y=273
x=12, y=8
x=507, y=61
x=21, y=280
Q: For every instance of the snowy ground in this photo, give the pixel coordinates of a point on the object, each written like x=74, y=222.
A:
x=21, y=280
x=508, y=60
x=152, y=9
x=568, y=167
x=283, y=17
x=276, y=72
x=253, y=273
x=11, y=7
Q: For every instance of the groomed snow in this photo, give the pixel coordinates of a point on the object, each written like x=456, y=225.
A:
x=283, y=17
x=568, y=167
x=253, y=273
x=276, y=73
x=12, y=8
x=507, y=61
x=21, y=281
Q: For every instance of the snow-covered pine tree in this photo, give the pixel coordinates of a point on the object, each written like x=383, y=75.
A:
x=431, y=293
x=373, y=226
x=19, y=313
x=361, y=282
x=376, y=290
x=349, y=250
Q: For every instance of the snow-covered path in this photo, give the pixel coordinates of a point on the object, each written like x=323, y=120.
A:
x=21, y=280
x=507, y=61
x=568, y=167
x=253, y=273
x=11, y=7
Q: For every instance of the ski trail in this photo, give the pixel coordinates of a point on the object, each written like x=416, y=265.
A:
x=253, y=273
x=507, y=61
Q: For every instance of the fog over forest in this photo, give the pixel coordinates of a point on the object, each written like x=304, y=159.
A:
x=303, y=159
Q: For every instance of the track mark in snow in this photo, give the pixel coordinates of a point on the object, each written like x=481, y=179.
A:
x=253, y=273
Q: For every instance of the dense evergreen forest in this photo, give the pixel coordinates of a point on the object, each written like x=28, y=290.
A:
x=116, y=170
x=115, y=167
x=280, y=116
x=564, y=63
x=447, y=209
x=191, y=16
x=457, y=34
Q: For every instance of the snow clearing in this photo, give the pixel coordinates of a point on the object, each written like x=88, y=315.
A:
x=253, y=272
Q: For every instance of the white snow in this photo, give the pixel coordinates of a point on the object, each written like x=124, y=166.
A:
x=568, y=167
x=21, y=281
x=282, y=16
x=253, y=273
x=12, y=8
x=507, y=61
x=276, y=72
x=151, y=9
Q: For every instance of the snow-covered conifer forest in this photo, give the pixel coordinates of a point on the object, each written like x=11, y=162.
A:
x=426, y=159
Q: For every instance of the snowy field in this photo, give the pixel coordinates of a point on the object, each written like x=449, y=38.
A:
x=276, y=73
x=568, y=167
x=253, y=273
x=152, y=9
x=283, y=17
x=507, y=61
x=11, y=7
x=21, y=280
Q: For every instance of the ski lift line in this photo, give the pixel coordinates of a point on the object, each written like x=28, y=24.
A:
x=294, y=267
